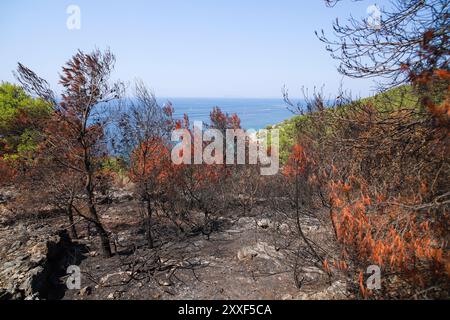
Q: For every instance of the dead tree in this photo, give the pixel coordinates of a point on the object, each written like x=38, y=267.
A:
x=82, y=116
x=144, y=129
x=405, y=34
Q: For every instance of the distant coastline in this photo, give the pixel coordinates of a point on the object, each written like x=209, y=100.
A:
x=254, y=113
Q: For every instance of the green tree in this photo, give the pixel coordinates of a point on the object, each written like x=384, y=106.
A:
x=22, y=119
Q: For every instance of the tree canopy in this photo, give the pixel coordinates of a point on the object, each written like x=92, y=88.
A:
x=21, y=120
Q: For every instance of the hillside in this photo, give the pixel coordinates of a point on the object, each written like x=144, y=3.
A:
x=393, y=99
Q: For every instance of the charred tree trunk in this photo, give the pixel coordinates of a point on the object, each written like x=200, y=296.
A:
x=299, y=225
x=73, y=229
x=148, y=223
x=104, y=237
x=105, y=243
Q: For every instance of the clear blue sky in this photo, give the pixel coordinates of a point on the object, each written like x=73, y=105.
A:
x=185, y=48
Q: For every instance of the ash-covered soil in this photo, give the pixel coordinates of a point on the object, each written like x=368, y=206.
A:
x=245, y=257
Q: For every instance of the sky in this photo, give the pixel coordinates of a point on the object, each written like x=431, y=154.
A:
x=185, y=48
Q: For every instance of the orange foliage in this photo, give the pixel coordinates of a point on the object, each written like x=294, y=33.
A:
x=361, y=285
x=390, y=235
x=296, y=163
x=7, y=172
x=151, y=160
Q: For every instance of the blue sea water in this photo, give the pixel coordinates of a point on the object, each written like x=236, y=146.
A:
x=254, y=113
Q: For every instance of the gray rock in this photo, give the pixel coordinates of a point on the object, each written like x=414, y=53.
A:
x=265, y=223
x=165, y=283
x=22, y=257
x=93, y=253
x=86, y=291
x=28, y=285
x=34, y=296
x=9, y=264
x=312, y=273
x=310, y=228
x=284, y=228
x=5, y=294
x=16, y=245
x=26, y=273
x=246, y=253
x=6, y=195
x=261, y=250
x=337, y=291
x=38, y=259
x=114, y=278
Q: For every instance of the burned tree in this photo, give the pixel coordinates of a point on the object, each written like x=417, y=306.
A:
x=378, y=165
x=81, y=115
x=408, y=35
x=145, y=132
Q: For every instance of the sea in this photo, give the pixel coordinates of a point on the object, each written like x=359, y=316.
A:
x=254, y=113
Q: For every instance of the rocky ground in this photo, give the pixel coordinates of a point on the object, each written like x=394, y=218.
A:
x=241, y=260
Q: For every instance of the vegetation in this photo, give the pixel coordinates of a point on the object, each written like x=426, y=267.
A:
x=380, y=165
x=372, y=172
x=21, y=122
